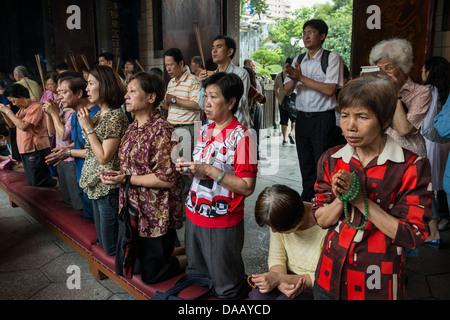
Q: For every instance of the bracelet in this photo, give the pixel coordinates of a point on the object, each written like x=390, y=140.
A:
x=8, y=112
x=69, y=153
x=220, y=177
x=90, y=132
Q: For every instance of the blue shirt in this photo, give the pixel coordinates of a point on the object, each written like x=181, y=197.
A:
x=78, y=139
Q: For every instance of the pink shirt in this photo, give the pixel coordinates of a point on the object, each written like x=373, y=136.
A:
x=35, y=138
x=418, y=100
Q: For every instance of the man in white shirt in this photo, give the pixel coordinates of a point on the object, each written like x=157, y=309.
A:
x=223, y=51
x=316, y=100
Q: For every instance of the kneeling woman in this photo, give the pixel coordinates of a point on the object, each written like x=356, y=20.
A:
x=32, y=138
x=224, y=170
x=145, y=155
x=103, y=134
x=373, y=196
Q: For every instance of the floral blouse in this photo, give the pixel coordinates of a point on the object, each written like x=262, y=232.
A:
x=113, y=125
x=147, y=150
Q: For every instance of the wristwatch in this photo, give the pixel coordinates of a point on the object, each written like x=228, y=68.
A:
x=173, y=100
x=90, y=132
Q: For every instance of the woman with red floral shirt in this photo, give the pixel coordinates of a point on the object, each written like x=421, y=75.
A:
x=373, y=196
x=155, y=190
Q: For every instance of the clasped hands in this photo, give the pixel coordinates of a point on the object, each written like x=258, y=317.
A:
x=290, y=285
x=341, y=183
x=294, y=73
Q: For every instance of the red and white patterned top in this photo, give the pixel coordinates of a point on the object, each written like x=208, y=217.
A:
x=367, y=264
x=209, y=204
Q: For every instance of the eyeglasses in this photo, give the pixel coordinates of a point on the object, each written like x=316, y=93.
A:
x=311, y=33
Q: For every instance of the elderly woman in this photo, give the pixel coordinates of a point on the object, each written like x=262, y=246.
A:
x=224, y=173
x=155, y=191
x=373, y=196
x=103, y=134
x=395, y=57
x=32, y=139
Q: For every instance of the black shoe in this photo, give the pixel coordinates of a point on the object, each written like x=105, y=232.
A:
x=291, y=138
x=284, y=143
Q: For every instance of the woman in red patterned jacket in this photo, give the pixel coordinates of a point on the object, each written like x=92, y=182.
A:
x=373, y=196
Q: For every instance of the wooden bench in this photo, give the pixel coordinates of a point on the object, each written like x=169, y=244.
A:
x=46, y=205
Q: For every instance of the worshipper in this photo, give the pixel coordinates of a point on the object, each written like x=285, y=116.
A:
x=51, y=86
x=155, y=185
x=223, y=51
x=315, y=128
x=103, y=134
x=129, y=69
x=51, y=94
x=73, y=95
x=183, y=109
x=32, y=139
x=221, y=181
x=295, y=245
x=373, y=196
x=435, y=75
x=58, y=121
x=395, y=57
x=196, y=65
x=21, y=77
x=442, y=125
x=6, y=160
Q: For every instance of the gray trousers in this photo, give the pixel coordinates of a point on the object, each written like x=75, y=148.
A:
x=68, y=184
x=217, y=252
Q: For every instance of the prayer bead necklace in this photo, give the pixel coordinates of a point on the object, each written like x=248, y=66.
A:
x=350, y=196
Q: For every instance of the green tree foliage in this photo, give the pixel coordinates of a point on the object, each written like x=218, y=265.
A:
x=267, y=61
x=261, y=7
x=338, y=17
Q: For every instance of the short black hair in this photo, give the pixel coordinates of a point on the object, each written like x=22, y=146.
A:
x=107, y=55
x=61, y=65
x=16, y=91
x=151, y=82
x=317, y=24
x=175, y=53
x=230, y=84
x=229, y=42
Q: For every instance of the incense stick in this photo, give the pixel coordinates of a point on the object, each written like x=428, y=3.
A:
x=74, y=63
x=85, y=61
x=199, y=41
x=38, y=62
x=139, y=65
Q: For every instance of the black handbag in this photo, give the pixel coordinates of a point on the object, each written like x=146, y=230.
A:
x=184, y=282
x=126, y=251
x=288, y=103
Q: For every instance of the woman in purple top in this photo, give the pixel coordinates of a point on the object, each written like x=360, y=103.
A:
x=155, y=190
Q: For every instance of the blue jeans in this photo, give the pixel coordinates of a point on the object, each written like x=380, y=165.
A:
x=88, y=210
x=106, y=209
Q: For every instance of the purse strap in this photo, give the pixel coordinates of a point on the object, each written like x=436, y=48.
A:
x=127, y=188
x=184, y=282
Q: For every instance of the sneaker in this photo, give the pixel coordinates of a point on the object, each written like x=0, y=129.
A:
x=284, y=143
x=443, y=224
x=291, y=138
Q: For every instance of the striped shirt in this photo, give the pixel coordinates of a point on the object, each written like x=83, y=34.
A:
x=186, y=87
